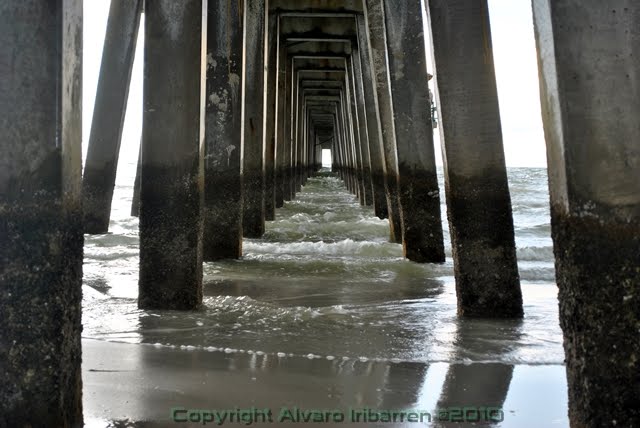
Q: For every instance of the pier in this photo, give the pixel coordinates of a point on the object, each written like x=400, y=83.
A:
x=241, y=98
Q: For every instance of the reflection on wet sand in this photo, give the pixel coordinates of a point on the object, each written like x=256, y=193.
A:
x=142, y=383
x=468, y=388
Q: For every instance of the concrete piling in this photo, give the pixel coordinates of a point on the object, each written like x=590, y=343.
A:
x=222, y=213
x=341, y=148
x=41, y=221
x=358, y=139
x=288, y=170
x=295, y=133
x=253, y=223
x=588, y=66
x=352, y=137
x=362, y=125
x=374, y=131
x=478, y=200
x=269, y=143
x=280, y=119
x=346, y=147
x=379, y=64
x=172, y=178
x=135, y=200
x=108, y=114
x=418, y=180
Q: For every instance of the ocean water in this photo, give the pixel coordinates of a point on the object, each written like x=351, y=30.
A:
x=324, y=282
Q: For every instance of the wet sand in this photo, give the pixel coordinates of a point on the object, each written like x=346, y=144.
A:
x=135, y=385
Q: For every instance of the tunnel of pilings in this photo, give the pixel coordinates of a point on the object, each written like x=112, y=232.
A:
x=240, y=99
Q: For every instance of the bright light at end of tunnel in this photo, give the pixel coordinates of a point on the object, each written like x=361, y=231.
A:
x=326, y=158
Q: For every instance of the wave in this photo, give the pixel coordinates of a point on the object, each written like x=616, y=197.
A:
x=541, y=254
x=345, y=247
x=110, y=253
x=537, y=274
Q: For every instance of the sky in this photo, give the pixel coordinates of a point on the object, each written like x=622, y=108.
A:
x=516, y=76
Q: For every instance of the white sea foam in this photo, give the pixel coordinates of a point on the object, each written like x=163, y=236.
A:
x=347, y=247
x=536, y=254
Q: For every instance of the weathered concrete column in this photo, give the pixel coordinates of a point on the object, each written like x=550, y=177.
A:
x=478, y=201
x=317, y=153
x=333, y=146
x=348, y=132
x=349, y=104
x=363, y=197
x=345, y=143
x=380, y=67
x=281, y=107
x=374, y=131
x=108, y=114
x=135, y=200
x=310, y=150
x=356, y=75
x=318, y=158
x=335, y=149
x=346, y=174
x=302, y=142
x=40, y=213
x=418, y=179
x=589, y=68
x=344, y=158
x=295, y=132
x=300, y=137
x=305, y=150
x=269, y=143
x=172, y=178
x=346, y=147
x=339, y=147
x=252, y=119
x=304, y=128
x=222, y=213
x=288, y=131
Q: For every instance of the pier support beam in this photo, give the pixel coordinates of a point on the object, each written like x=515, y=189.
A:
x=269, y=144
x=288, y=160
x=362, y=124
x=222, y=238
x=108, y=114
x=589, y=69
x=40, y=213
x=295, y=132
x=478, y=200
x=374, y=132
x=135, y=200
x=172, y=178
x=252, y=119
x=359, y=139
x=280, y=126
x=380, y=67
x=337, y=151
x=418, y=179
x=341, y=148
